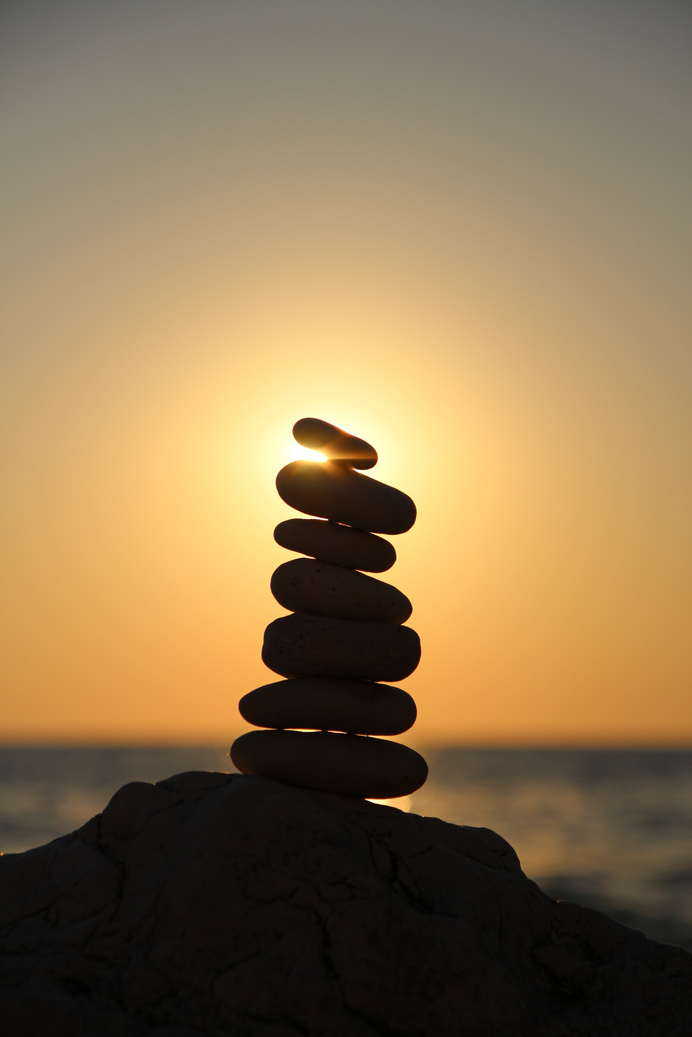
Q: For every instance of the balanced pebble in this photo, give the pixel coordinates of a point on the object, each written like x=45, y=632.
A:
x=334, y=443
x=341, y=545
x=301, y=645
x=306, y=585
x=349, y=765
x=340, y=494
x=330, y=704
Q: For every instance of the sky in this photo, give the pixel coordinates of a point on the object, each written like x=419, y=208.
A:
x=460, y=230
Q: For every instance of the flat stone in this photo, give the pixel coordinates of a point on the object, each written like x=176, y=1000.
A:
x=330, y=704
x=330, y=491
x=340, y=545
x=349, y=765
x=301, y=645
x=307, y=585
x=334, y=443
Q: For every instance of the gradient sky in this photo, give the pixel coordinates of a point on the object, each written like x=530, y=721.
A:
x=460, y=230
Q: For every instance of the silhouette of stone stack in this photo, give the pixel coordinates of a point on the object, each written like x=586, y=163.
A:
x=344, y=635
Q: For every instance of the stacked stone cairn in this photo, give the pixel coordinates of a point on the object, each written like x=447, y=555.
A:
x=343, y=637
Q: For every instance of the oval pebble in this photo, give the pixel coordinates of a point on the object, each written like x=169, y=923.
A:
x=301, y=645
x=306, y=585
x=340, y=545
x=330, y=704
x=330, y=491
x=334, y=442
x=349, y=765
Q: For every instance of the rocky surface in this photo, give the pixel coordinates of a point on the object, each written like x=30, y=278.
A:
x=214, y=904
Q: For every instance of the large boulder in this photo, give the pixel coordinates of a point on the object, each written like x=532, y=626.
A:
x=216, y=904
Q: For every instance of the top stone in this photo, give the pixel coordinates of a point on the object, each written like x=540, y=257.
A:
x=334, y=443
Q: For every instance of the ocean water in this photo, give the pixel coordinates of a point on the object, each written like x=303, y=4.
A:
x=610, y=829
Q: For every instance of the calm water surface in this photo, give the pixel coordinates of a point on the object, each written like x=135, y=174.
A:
x=609, y=829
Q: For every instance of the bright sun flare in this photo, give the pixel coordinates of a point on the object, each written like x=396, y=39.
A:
x=303, y=453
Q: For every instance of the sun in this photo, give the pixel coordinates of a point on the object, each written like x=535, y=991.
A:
x=303, y=453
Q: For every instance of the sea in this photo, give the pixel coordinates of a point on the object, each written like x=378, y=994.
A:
x=610, y=829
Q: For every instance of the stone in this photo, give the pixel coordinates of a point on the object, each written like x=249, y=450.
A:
x=334, y=443
x=301, y=645
x=330, y=704
x=340, y=545
x=308, y=585
x=348, y=765
x=329, y=490
x=240, y=905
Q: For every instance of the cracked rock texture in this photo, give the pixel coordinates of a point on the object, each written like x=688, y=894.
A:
x=216, y=904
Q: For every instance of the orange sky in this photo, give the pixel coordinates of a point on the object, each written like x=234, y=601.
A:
x=459, y=230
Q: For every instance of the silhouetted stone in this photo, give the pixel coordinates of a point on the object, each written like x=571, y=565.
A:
x=341, y=545
x=331, y=491
x=330, y=704
x=334, y=443
x=344, y=625
x=223, y=905
x=301, y=645
x=308, y=585
x=350, y=765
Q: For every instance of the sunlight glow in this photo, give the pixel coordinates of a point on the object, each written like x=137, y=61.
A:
x=401, y=803
x=303, y=453
x=175, y=336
